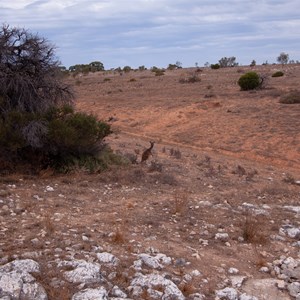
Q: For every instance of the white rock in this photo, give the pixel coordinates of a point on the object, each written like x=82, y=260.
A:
x=196, y=273
x=222, y=236
x=84, y=272
x=17, y=283
x=170, y=290
x=227, y=293
x=237, y=281
x=91, y=294
x=155, y=262
x=117, y=292
x=247, y=297
x=49, y=188
x=264, y=270
x=233, y=271
x=294, y=289
x=107, y=258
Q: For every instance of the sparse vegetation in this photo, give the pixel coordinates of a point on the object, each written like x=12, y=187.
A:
x=278, y=74
x=293, y=97
x=215, y=66
x=283, y=58
x=226, y=62
x=250, y=81
x=190, y=78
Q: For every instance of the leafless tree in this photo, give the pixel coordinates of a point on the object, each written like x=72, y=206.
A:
x=30, y=78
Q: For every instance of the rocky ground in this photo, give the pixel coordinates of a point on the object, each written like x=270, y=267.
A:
x=198, y=220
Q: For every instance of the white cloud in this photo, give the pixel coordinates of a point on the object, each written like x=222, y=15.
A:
x=88, y=29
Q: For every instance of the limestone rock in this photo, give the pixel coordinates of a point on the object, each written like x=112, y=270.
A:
x=150, y=282
x=84, y=272
x=16, y=282
x=91, y=294
x=227, y=294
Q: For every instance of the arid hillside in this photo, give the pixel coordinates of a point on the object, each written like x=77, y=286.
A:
x=214, y=213
x=211, y=114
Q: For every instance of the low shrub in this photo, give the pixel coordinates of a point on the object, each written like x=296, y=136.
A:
x=215, y=66
x=293, y=97
x=278, y=74
x=57, y=138
x=250, y=81
x=191, y=78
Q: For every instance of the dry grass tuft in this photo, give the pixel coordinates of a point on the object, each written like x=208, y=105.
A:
x=119, y=237
x=187, y=288
x=180, y=202
x=48, y=224
x=253, y=231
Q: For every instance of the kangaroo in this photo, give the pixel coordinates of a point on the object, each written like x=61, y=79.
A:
x=147, y=152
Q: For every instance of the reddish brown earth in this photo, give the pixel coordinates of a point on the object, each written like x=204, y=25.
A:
x=216, y=148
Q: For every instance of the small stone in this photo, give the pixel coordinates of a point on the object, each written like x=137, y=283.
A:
x=233, y=271
x=247, y=297
x=264, y=270
x=222, y=236
x=227, y=293
x=49, y=189
x=180, y=262
x=85, y=238
x=281, y=285
x=107, y=258
x=196, y=273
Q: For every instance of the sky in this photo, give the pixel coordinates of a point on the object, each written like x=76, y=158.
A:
x=159, y=32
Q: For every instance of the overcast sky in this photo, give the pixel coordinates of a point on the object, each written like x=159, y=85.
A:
x=159, y=32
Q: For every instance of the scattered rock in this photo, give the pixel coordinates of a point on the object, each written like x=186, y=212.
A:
x=16, y=282
x=91, y=294
x=167, y=288
x=107, y=258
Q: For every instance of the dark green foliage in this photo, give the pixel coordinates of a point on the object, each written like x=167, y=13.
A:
x=127, y=69
x=215, y=66
x=249, y=81
x=226, y=62
x=283, y=58
x=278, y=74
x=57, y=138
x=158, y=71
x=293, y=97
x=94, y=66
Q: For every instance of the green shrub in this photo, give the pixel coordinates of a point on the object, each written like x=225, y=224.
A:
x=249, y=81
x=159, y=72
x=293, y=97
x=278, y=74
x=215, y=66
x=191, y=78
x=58, y=138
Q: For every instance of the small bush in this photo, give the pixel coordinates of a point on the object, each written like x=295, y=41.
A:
x=278, y=74
x=106, y=79
x=159, y=72
x=292, y=97
x=132, y=80
x=215, y=66
x=58, y=138
x=191, y=78
x=249, y=81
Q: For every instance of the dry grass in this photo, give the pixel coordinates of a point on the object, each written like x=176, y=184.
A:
x=180, y=202
x=253, y=230
x=293, y=97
